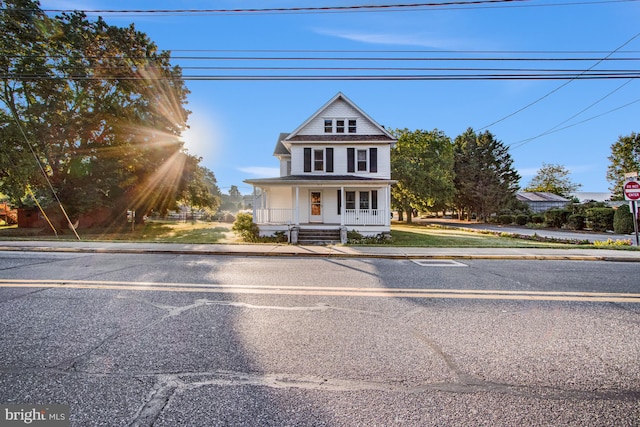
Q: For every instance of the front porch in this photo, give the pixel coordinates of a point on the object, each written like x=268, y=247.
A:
x=349, y=217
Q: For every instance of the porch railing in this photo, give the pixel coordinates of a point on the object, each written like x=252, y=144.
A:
x=274, y=216
x=365, y=216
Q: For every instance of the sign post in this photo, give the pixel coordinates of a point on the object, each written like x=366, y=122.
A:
x=632, y=194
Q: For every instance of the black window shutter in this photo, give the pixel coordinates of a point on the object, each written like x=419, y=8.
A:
x=307, y=159
x=339, y=202
x=373, y=160
x=351, y=160
x=374, y=199
x=329, y=156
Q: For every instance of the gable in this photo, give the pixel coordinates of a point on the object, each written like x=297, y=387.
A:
x=340, y=111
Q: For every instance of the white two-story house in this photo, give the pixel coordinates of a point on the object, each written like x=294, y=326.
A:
x=334, y=176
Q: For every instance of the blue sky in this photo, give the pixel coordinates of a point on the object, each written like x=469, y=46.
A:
x=234, y=124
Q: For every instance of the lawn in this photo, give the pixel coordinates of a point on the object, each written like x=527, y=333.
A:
x=152, y=231
x=206, y=232
x=435, y=236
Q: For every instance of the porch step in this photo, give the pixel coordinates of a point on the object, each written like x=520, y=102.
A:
x=311, y=236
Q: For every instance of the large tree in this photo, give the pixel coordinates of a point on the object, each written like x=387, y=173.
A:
x=98, y=106
x=554, y=179
x=422, y=165
x=625, y=158
x=485, y=179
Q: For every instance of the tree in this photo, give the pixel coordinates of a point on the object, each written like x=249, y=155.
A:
x=422, y=165
x=625, y=158
x=554, y=179
x=485, y=179
x=98, y=107
x=232, y=202
x=201, y=190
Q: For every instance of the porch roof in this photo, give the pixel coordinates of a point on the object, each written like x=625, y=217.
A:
x=332, y=180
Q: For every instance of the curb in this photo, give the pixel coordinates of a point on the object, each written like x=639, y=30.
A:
x=295, y=254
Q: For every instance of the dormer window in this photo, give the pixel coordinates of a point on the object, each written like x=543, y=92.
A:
x=341, y=126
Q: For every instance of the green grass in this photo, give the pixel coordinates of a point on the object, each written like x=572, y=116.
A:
x=416, y=235
x=166, y=232
x=434, y=236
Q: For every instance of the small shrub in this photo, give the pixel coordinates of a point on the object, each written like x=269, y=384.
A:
x=522, y=219
x=246, y=228
x=537, y=219
x=600, y=219
x=505, y=219
x=623, y=220
x=556, y=217
x=356, y=238
x=575, y=222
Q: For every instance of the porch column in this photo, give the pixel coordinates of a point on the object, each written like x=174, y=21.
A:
x=296, y=212
x=254, y=203
x=342, y=210
x=387, y=203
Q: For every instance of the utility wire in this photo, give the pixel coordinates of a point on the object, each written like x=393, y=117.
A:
x=585, y=120
x=44, y=173
x=446, y=5
x=555, y=128
x=578, y=77
x=297, y=9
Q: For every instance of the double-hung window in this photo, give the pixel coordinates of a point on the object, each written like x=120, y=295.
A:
x=350, y=199
x=364, y=200
x=318, y=160
x=362, y=160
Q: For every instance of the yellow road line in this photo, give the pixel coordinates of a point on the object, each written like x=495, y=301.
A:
x=326, y=291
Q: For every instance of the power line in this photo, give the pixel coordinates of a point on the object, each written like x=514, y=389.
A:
x=445, y=5
x=577, y=77
x=345, y=77
x=582, y=121
x=555, y=128
x=295, y=9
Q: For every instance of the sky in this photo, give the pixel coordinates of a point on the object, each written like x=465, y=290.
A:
x=234, y=124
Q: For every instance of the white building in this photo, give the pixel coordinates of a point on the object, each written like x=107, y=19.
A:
x=335, y=176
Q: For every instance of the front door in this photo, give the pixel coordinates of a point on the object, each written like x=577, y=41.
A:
x=315, y=199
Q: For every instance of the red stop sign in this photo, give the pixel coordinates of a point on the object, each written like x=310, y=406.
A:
x=632, y=190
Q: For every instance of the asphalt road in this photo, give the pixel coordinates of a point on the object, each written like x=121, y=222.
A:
x=171, y=340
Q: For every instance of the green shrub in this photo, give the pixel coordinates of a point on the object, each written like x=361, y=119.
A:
x=623, y=220
x=537, y=219
x=505, y=219
x=600, y=219
x=575, y=222
x=556, y=217
x=246, y=228
x=522, y=219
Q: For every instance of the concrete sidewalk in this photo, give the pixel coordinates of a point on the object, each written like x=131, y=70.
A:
x=336, y=251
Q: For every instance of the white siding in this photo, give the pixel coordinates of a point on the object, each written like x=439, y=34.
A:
x=279, y=197
x=340, y=110
x=283, y=166
x=340, y=159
